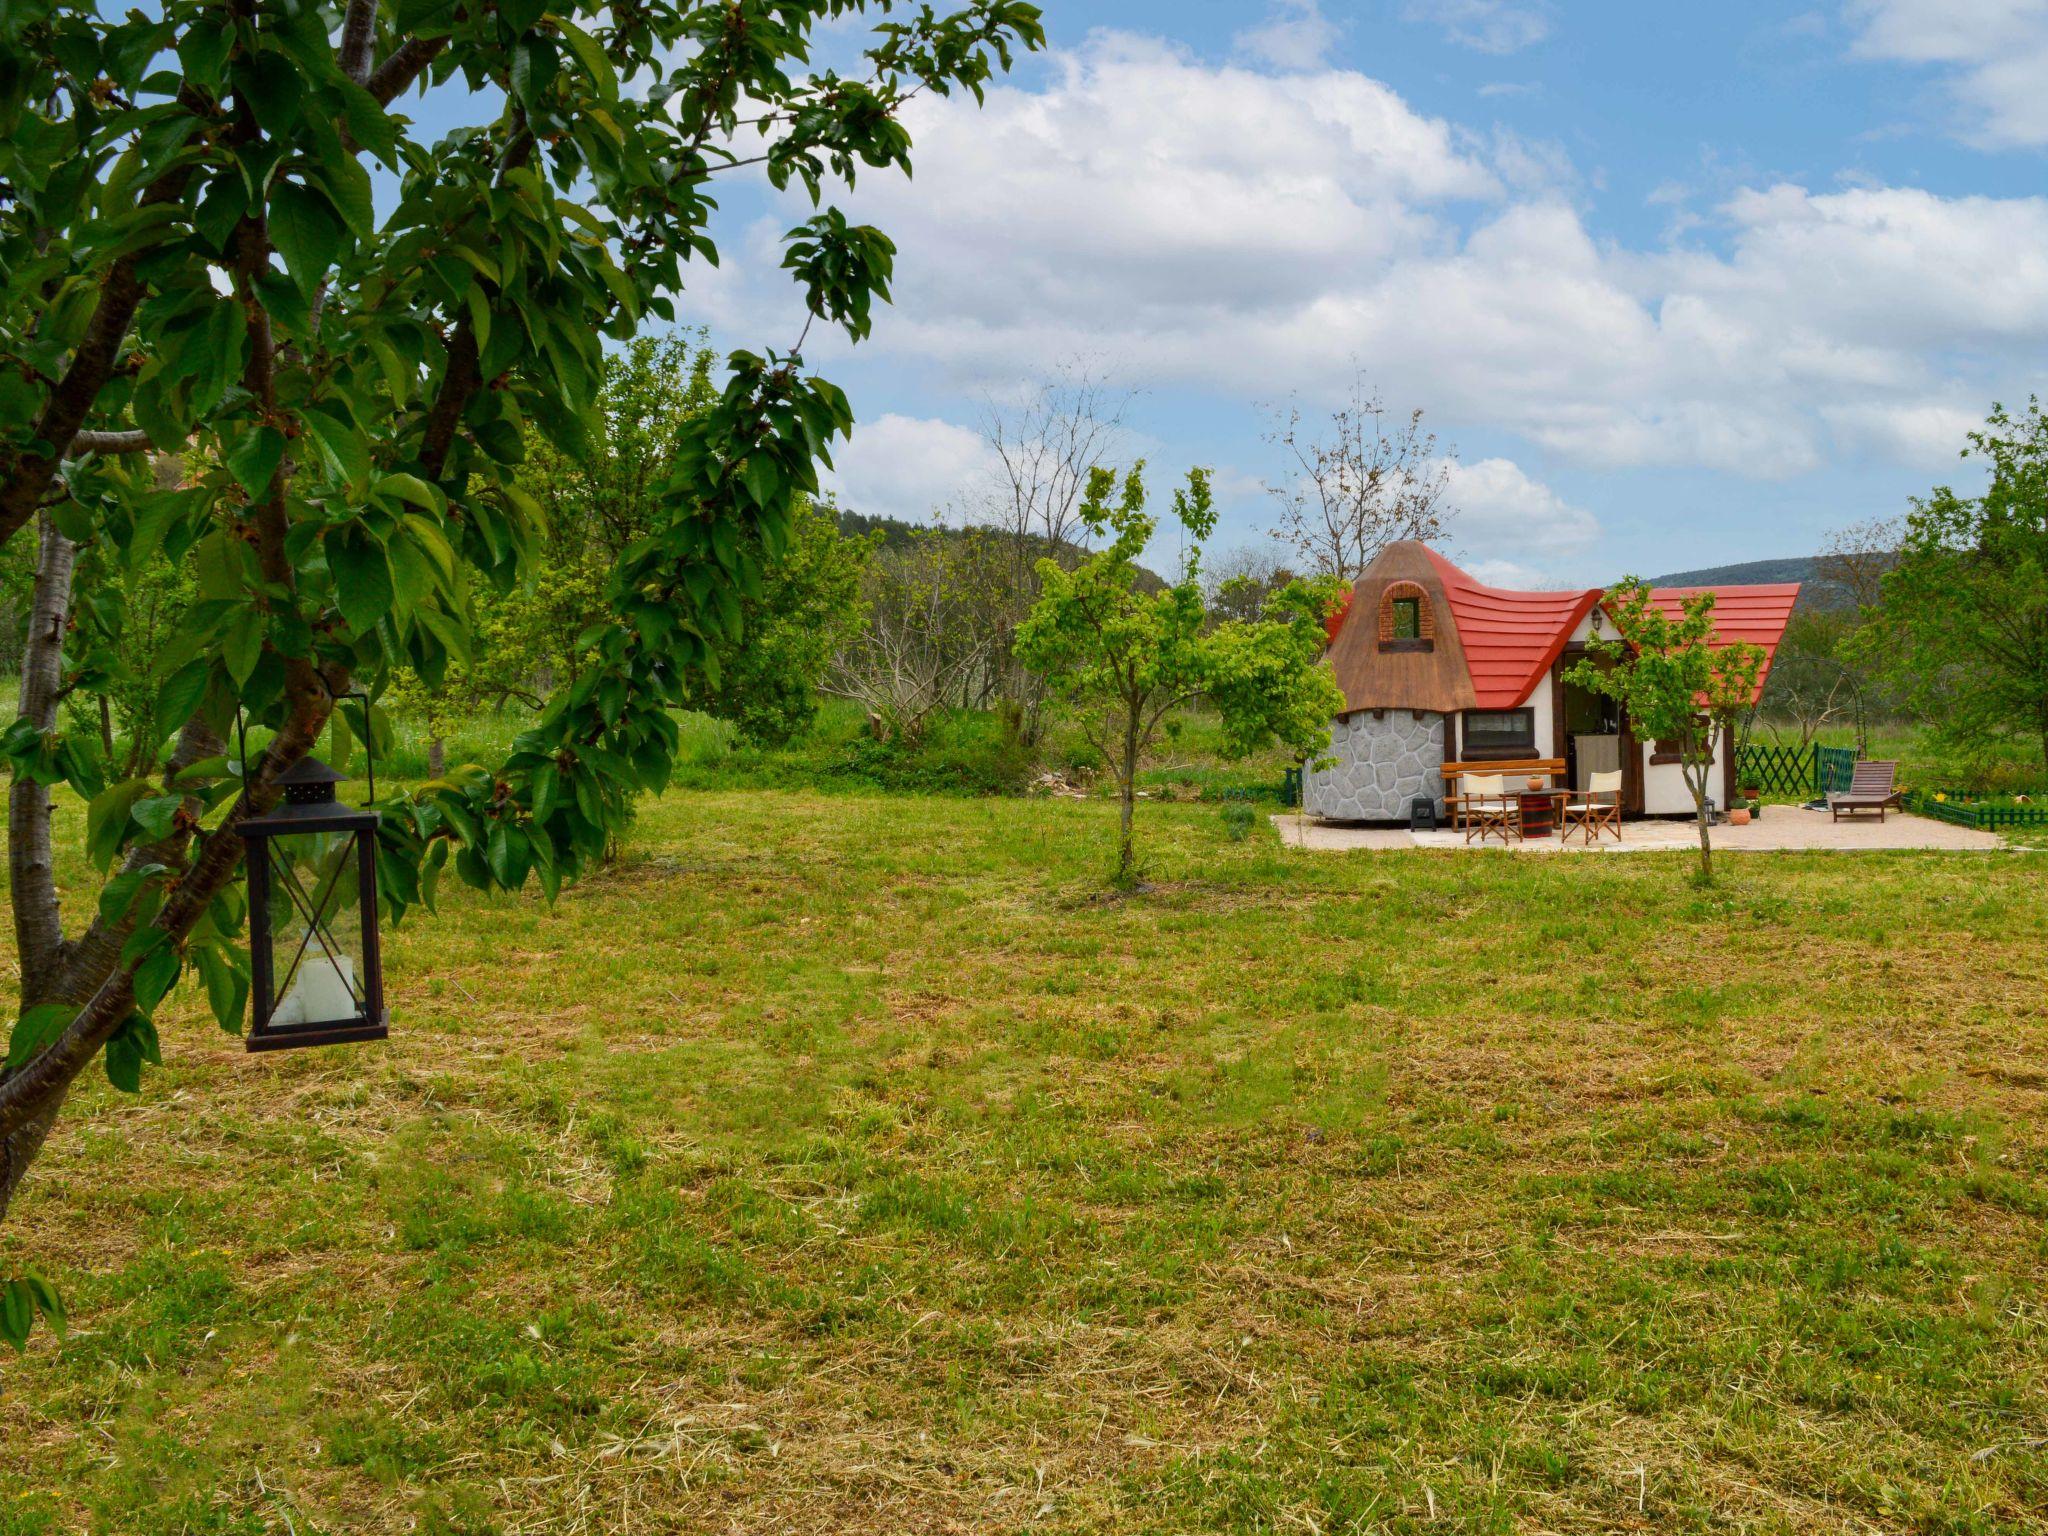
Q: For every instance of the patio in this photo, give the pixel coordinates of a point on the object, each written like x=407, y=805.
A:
x=1782, y=829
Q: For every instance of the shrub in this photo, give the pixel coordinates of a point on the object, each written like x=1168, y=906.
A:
x=1238, y=820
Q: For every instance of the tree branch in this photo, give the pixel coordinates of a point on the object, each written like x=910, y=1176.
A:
x=26, y=474
x=408, y=61
x=358, y=37
x=110, y=442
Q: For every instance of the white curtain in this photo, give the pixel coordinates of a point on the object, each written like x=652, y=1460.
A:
x=1595, y=754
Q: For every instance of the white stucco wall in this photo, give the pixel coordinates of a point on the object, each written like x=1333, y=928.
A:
x=1540, y=700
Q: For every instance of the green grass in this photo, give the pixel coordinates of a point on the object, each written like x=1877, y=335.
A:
x=853, y=1163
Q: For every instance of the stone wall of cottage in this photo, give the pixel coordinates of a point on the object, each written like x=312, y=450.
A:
x=1384, y=760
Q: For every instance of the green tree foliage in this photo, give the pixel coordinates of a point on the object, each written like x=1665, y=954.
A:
x=1122, y=659
x=195, y=258
x=1964, y=629
x=1679, y=683
x=597, y=505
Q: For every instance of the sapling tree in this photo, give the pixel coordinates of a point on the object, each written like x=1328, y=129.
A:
x=222, y=237
x=1680, y=683
x=1122, y=660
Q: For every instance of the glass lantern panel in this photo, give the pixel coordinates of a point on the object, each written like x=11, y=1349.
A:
x=316, y=929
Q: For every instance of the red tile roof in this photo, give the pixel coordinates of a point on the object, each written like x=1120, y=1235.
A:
x=1511, y=638
x=1756, y=614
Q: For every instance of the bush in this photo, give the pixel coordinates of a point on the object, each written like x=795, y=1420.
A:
x=1238, y=820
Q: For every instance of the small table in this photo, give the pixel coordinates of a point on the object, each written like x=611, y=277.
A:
x=1540, y=810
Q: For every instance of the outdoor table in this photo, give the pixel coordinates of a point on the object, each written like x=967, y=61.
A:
x=1540, y=810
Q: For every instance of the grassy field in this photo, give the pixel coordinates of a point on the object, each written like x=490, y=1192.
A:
x=851, y=1163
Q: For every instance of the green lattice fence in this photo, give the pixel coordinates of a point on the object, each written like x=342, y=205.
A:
x=1779, y=770
x=1833, y=768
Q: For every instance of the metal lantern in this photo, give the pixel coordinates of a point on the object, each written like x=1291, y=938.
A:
x=316, y=977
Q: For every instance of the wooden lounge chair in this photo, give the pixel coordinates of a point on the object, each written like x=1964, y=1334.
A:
x=1596, y=810
x=1874, y=787
x=1489, y=809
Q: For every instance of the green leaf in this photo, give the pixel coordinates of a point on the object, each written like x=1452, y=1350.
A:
x=590, y=56
x=106, y=819
x=17, y=1313
x=180, y=693
x=362, y=576
x=117, y=899
x=34, y=1030
x=344, y=445
x=253, y=459
x=227, y=989
x=306, y=231
x=156, y=975
x=413, y=489
x=157, y=815
x=135, y=1042
x=242, y=645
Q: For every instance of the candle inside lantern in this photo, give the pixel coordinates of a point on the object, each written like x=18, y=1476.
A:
x=324, y=992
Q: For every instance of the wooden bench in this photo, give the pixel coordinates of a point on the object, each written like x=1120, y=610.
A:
x=1514, y=772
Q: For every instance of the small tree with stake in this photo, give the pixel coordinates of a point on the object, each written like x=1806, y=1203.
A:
x=1678, y=682
x=1123, y=660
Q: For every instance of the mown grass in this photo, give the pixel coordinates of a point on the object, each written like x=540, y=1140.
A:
x=853, y=1163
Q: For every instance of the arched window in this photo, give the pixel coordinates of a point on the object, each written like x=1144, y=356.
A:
x=1407, y=622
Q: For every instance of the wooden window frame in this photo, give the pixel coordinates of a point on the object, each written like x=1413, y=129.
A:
x=1524, y=747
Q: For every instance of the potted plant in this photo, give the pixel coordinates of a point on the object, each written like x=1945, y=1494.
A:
x=1738, y=814
x=1535, y=781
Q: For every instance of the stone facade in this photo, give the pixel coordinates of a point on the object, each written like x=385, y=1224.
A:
x=1381, y=765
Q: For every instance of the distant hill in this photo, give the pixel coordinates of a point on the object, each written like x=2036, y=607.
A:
x=1750, y=573
x=896, y=533
x=1815, y=592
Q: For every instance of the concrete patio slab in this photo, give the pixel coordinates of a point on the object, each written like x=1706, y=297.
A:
x=1781, y=829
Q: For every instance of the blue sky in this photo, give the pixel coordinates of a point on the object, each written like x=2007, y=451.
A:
x=1684, y=284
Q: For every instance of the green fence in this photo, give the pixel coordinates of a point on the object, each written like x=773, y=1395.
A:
x=1833, y=769
x=1776, y=770
x=1945, y=806
x=1810, y=770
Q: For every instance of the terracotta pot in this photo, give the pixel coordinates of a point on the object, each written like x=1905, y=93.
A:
x=1739, y=817
x=1535, y=781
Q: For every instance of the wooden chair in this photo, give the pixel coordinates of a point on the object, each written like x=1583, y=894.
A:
x=1595, y=811
x=1873, y=787
x=1489, y=809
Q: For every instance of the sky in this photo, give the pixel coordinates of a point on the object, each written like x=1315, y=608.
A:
x=1684, y=285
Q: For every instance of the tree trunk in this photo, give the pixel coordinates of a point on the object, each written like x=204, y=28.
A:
x=38, y=925
x=1126, y=857
x=437, y=757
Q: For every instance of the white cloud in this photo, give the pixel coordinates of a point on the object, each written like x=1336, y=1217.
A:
x=1926, y=434
x=1994, y=54
x=1491, y=26
x=1265, y=236
x=1295, y=35
x=908, y=467
x=1502, y=514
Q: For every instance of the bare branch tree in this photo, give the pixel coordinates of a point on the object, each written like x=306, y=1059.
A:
x=928, y=634
x=1855, y=559
x=1370, y=479
x=1045, y=449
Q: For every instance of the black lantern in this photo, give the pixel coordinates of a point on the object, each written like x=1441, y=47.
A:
x=315, y=974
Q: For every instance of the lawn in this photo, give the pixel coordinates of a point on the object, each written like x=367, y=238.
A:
x=852, y=1163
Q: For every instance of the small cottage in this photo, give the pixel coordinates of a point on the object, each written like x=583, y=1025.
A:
x=1437, y=667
